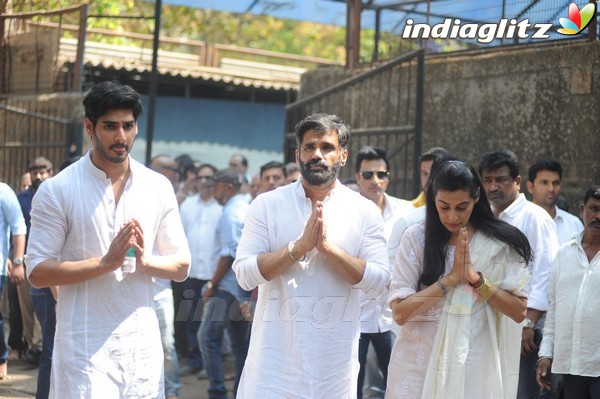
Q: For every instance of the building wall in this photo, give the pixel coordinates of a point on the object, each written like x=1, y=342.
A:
x=537, y=101
x=206, y=129
x=211, y=130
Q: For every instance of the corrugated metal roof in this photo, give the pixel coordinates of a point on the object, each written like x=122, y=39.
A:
x=231, y=71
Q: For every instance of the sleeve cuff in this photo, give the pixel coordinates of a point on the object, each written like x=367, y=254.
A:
x=248, y=274
x=374, y=280
x=537, y=303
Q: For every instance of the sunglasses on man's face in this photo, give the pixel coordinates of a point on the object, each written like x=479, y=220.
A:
x=381, y=175
x=208, y=178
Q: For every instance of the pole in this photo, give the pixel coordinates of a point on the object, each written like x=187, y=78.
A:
x=153, y=83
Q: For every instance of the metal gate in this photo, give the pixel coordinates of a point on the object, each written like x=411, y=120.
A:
x=30, y=127
x=384, y=108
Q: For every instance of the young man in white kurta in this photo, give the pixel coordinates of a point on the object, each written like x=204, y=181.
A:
x=304, y=340
x=83, y=221
x=107, y=333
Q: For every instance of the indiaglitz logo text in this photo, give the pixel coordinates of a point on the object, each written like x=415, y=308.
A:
x=505, y=28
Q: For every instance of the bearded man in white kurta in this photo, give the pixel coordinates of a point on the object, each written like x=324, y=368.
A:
x=310, y=247
x=83, y=222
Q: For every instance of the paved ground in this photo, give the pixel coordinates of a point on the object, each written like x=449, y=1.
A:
x=22, y=382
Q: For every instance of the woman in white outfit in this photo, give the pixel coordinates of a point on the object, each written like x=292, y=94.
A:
x=458, y=293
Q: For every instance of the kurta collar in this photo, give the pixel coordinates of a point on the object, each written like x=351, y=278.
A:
x=100, y=174
x=516, y=206
x=299, y=189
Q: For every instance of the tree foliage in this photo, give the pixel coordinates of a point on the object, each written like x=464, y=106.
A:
x=245, y=30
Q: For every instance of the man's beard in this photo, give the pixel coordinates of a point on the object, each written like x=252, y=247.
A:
x=104, y=153
x=317, y=177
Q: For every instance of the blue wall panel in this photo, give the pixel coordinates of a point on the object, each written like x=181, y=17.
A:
x=257, y=126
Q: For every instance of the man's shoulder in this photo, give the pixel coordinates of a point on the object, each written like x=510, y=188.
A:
x=568, y=217
x=5, y=188
x=236, y=205
x=535, y=212
x=25, y=195
x=7, y=195
x=567, y=251
x=399, y=204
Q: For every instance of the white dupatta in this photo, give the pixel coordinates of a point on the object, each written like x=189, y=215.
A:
x=454, y=371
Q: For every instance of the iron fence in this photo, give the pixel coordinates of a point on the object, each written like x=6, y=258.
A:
x=30, y=128
x=384, y=108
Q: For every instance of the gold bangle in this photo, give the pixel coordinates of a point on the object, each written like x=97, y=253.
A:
x=290, y=247
x=485, y=289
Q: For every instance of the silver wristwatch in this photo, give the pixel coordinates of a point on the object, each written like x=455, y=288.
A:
x=528, y=323
x=17, y=261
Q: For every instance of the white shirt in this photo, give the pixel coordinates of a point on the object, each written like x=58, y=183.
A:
x=472, y=341
x=417, y=215
x=393, y=210
x=540, y=230
x=571, y=336
x=107, y=341
x=11, y=222
x=200, y=219
x=229, y=231
x=567, y=225
x=376, y=315
x=304, y=341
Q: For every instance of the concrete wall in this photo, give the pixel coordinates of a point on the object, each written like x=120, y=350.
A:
x=537, y=101
x=206, y=129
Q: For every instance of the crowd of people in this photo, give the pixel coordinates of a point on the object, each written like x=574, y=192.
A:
x=317, y=288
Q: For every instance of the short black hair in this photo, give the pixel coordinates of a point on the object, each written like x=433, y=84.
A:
x=106, y=96
x=434, y=153
x=544, y=164
x=496, y=159
x=592, y=192
x=368, y=153
x=273, y=165
x=323, y=123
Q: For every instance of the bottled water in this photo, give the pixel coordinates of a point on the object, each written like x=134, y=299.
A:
x=129, y=264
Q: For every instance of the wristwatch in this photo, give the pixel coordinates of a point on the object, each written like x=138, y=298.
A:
x=528, y=323
x=210, y=285
x=17, y=261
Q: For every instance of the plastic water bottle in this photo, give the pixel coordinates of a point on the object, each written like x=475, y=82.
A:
x=130, y=260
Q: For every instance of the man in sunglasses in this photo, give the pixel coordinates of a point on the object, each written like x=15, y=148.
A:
x=310, y=247
x=373, y=178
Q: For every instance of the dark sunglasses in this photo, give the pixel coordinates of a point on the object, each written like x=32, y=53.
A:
x=381, y=175
x=205, y=178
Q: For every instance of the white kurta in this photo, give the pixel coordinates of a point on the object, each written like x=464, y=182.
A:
x=571, y=336
x=107, y=341
x=304, y=341
x=433, y=356
x=540, y=230
x=375, y=314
